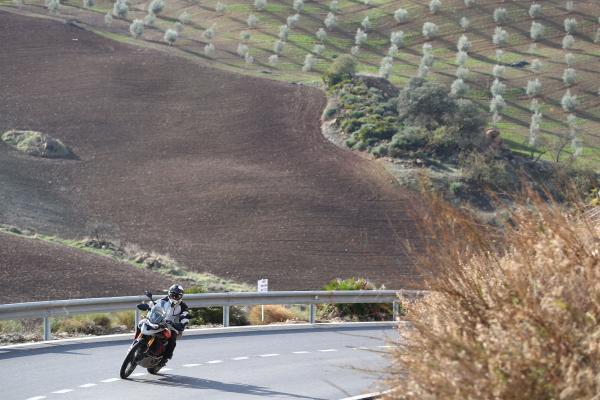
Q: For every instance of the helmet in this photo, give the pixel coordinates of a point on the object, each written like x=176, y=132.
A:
x=175, y=294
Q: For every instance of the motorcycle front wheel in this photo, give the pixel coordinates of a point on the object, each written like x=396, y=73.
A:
x=129, y=363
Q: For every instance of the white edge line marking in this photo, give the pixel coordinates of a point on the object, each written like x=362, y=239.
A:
x=191, y=365
x=36, y=398
x=240, y=358
x=385, y=347
x=63, y=391
x=269, y=355
x=109, y=380
x=87, y=385
x=327, y=350
x=300, y=352
x=214, y=362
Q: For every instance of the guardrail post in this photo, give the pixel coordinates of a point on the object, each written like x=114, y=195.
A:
x=396, y=311
x=225, y=316
x=136, y=319
x=312, y=313
x=47, y=333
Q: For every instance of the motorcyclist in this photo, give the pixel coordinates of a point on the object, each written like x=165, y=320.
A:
x=177, y=318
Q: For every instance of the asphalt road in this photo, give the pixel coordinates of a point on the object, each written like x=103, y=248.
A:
x=299, y=364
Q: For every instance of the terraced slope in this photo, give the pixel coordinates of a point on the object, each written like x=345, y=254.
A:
x=227, y=174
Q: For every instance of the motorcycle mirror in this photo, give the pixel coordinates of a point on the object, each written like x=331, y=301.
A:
x=148, y=294
x=143, y=307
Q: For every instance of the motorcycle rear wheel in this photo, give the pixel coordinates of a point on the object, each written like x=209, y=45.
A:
x=129, y=363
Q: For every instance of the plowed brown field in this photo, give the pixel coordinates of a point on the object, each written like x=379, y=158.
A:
x=226, y=173
x=33, y=270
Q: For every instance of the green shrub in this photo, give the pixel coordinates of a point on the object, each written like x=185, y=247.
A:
x=344, y=67
x=214, y=315
x=360, y=312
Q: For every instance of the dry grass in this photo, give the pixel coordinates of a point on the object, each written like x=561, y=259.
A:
x=273, y=314
x=521, y=323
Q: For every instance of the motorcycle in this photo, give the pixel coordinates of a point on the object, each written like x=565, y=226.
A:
x=151, y=339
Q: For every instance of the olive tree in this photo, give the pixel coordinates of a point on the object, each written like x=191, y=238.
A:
x=430, y=30
x=366, y=23
x=278, y=47
x=298, y=5
x=570, y=25
x=86, y=3
x=464, y=23
x=136, y=28
x=569, y=102
x=463, y=44
x=321, y=35
x=500, y=16
x=568, y=42
x=260, y=4
x=535, y=10
x=292, y=20
x=273, y=60
x=500, y=36
x=120, y=9
x=330, y=21
x=209, y=50
x=569, y=76
x=309, y=63
x=156, y=7
x=397, y=38
x=401, y=15
x=252, y=21
x=284, y=32
x=434, y=6
x=360, y=37
x=171, y=35
x=537, y=31
x=53, y=6
x=220, y=7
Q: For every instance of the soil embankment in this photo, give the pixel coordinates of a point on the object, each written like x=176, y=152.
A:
x=33, y=270
x=226, y=173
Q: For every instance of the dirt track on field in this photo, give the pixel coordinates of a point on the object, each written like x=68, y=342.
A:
x=228, y=174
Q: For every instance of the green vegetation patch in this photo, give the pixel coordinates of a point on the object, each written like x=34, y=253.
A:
x=36, y=144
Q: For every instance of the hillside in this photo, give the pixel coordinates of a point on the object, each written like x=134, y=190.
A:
x=227, y=174
x=554, y=136
x=33, y=270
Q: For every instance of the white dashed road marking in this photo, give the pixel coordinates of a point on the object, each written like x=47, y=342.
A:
x=109, y=380
x=139, y=374
x=239, y=358
x=36, y=398
x=269, y=355
x=166, y=369
x=63, y=391
x=191, y=365
x=214, y=362
x=87, y=385
x=300, y=352
x=327, y=350
x=385, y=347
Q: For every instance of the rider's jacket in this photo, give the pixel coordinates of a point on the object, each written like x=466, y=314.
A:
x=177, y=313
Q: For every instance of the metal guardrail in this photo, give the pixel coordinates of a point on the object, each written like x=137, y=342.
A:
x=58, y=308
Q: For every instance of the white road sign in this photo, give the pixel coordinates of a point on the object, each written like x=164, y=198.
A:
x=263, y=285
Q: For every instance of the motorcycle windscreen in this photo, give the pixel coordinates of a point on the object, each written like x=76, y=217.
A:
x=157, y=314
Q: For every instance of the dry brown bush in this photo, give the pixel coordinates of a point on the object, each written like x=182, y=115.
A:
x=517, y=323
x=273, y=313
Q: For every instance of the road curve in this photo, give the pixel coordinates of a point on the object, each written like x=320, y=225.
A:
x=300, y=364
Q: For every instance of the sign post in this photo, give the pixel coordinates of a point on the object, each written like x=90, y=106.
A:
x=262, y=286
